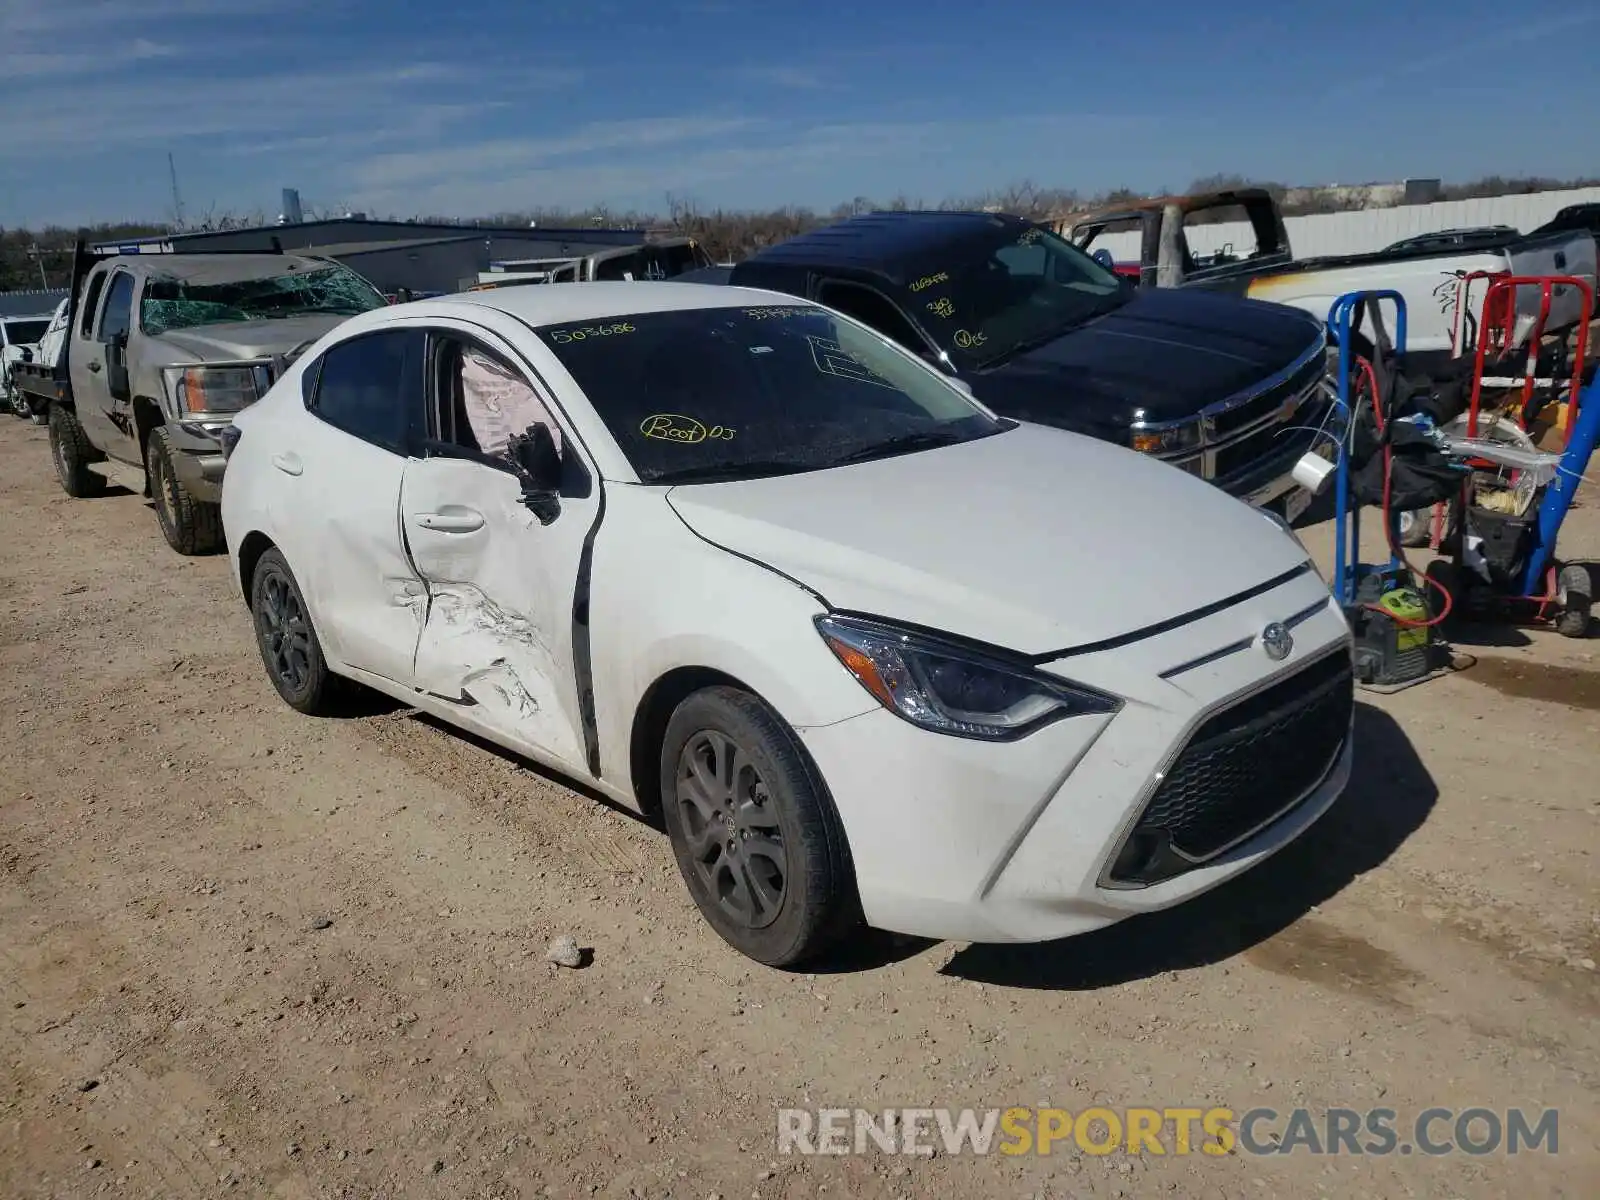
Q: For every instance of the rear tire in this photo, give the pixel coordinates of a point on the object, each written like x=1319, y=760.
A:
x=755, y=833
x=190, y=526
x=290, y=648
x=72, y=452
x=1575, y=590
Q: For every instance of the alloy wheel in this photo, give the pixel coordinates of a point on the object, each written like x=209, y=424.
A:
x=285, y=632
x=731, y=827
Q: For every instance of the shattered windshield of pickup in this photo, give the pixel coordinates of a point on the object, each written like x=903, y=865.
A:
x=170, y=304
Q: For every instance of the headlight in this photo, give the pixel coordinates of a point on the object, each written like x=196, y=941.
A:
x=1165, y=441
x=217, y=389
x=950, y=689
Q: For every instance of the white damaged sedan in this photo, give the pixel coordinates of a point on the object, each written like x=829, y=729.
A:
x=871, y=653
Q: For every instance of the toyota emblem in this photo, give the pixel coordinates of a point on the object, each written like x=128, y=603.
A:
x=1277, y=641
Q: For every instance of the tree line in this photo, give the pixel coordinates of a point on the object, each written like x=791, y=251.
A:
x=33, y=258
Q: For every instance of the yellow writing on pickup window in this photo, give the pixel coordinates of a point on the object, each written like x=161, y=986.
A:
x=942, y=307
x=927, y=281
x=969, y=341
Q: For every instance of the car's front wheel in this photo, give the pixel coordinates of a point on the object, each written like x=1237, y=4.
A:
x=754, y=830
x=290, y=648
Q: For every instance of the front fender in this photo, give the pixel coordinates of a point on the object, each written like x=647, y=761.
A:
x=663, y=599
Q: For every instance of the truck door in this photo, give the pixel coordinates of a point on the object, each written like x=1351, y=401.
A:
x=99, y=364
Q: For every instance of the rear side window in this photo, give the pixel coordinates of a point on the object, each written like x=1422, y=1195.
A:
x=91, y=302
x=371, y=388
x=118, y=318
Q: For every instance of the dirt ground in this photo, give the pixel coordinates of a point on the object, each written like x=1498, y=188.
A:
x=247, y=952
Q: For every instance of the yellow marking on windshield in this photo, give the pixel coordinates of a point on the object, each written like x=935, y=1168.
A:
x=686, y=431
x=927, y=281
x=968, y=341
x=942, y=307
x=562, y=336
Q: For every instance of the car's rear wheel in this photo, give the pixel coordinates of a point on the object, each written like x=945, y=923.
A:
x=189, y=525
x=754, y=830
x=72, y=452
x=290, y=648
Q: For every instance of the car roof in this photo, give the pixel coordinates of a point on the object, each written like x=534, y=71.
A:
x=558, y=303
x=881, y=241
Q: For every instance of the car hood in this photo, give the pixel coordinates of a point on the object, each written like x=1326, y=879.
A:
x=1168, y=352
x=1033, y=539
x=246, y=339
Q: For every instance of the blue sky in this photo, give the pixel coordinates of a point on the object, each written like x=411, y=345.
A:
x=476, y=106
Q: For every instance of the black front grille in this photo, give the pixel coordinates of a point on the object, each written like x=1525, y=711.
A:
x=1273, y=398
x=1242, y=768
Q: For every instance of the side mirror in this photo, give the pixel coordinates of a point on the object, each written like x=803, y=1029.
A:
x=539, y=467
x=1104, y=258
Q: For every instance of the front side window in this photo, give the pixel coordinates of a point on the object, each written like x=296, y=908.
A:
x=482, y=401
x=992, y=294
x=371, y=388
x=169, y=303
x=707, y=394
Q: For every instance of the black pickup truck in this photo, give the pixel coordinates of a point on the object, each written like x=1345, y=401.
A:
x=1229, y=389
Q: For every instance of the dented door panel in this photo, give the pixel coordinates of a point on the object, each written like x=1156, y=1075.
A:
x=497, y=629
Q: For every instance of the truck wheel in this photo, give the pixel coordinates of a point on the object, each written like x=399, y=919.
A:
x=1576, y=597
x=189, y=526
x=72, y=452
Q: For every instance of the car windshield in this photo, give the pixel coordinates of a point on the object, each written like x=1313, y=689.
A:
x=170, y=304
x=712, y=394
x=22, y=332
x=993, y=295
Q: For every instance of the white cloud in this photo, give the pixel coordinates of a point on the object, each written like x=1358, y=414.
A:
x=689, y=154
x=794, y=78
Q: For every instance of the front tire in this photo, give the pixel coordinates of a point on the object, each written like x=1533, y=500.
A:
x=190, y=526
x=755, y=833
x=72, y=452
x=290, y=648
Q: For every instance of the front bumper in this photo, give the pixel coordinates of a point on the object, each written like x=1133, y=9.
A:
x=197, y=460
x=977, y=841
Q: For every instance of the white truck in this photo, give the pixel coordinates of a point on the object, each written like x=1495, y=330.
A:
x=1159, y=243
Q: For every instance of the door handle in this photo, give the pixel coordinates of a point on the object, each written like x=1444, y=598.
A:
x=95, y=367
x=289, y=464
x=452, y=519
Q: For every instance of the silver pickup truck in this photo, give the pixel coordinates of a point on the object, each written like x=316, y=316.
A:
x=162, y=350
